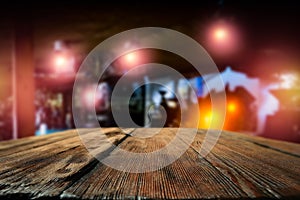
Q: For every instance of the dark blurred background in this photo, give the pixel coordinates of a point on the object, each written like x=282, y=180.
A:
x=255, y=45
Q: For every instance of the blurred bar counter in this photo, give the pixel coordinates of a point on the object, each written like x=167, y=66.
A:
x=58, y=166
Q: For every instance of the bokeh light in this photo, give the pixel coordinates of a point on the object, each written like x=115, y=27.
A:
x=131, y=59
x=231, y=107
x=223, y=38
x=60, y=61
x=287, y=81
x=220, y=34
x=89, y=98
x=208, y=119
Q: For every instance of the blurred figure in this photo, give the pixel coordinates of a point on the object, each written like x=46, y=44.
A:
x=69, y=119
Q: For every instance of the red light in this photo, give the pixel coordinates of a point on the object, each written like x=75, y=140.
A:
x=63, y=63
x=130, y=60
x=223, y=38
x=220, y=34
x=131, y=57
x=60, y=61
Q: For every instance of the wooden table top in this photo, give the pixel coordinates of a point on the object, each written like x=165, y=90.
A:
x=59, y=166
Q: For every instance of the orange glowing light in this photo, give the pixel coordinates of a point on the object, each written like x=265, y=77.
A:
x=211, y=119
x=231, y=107
x=208, y=118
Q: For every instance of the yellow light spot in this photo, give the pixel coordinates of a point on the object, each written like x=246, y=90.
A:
x=231, y=107
x=208, y=118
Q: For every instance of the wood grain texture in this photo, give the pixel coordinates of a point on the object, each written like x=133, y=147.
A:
x=58, y=166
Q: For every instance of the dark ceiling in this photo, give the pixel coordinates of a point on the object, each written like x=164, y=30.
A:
x=269, y=29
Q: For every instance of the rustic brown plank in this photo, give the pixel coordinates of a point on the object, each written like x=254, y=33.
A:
x=31, y=142
x=185, y=178
x=112, y=183
x=282, y=146
x=259, y=171
x=47, y=170
x=59, y=166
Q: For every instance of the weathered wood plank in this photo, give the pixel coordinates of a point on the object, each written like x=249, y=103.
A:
x=47, y=170
x=282, y=146
x=185, y=178
x=12, y=146
x=259, y=171
x=59, y=166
